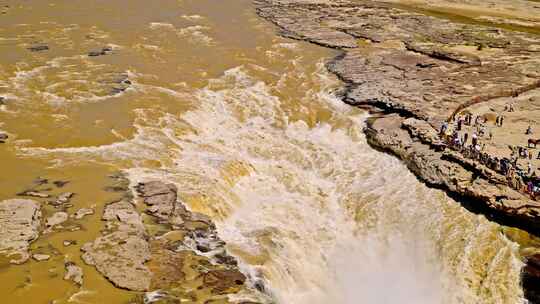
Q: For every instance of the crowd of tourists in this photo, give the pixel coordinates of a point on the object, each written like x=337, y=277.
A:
x=519, y=178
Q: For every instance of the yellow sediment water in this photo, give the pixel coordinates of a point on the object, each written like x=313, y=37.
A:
x=248, y=127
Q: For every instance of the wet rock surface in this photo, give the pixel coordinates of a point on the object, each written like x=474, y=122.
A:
x=3, y=136
x=56, y=219
x=38, y=48
x=182, y=256
x=81, y=213
x=62, y=199
x=31, y=193
x=121, y=253
x=73, y=273
x=190, y=255
x=531, y=278
x=19, y=226
x=101, y=52
x=41, y=257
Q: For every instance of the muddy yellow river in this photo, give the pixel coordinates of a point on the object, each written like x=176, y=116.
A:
x=204, y=94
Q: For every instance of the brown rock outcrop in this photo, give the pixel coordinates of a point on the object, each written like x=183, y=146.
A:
x=121, y=253
x=183, y=253
x=19, y=226
x=421, y=71
x=74, y=273
x=191, y=255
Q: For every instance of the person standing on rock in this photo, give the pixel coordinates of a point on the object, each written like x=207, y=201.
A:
x=444, y=127
x=529, y=130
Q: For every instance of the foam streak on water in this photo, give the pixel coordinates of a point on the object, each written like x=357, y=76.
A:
x=312, y=211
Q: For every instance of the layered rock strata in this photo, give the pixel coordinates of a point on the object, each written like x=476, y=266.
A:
x=421, y=71
x=415, y=72
x=19, y=226
x=169, y=252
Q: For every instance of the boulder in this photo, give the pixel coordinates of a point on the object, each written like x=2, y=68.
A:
x=60, y=183
x=74, y=273
x=122, y=215
x=159, y=196
x=32, y=193
x=121, y=258
x=101, y=52
x=56, y=219
x=19, y=226
x=63, y=199
x=69, y=242
x=121, y=253
x=38, y=48
x=83, y=212
x=41, y=257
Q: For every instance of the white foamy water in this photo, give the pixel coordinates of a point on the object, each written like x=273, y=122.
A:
x=313, y=212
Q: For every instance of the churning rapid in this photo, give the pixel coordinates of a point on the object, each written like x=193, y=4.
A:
x=249, y=128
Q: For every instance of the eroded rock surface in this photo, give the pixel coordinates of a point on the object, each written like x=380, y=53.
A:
x=19, y=226
x=41, y=257
x=421, y=71
x=74, y=273
x=121, y=253
x=56, y=219
x=3, y=136
x=63, y=199
x=174, y=254
x=83, y=212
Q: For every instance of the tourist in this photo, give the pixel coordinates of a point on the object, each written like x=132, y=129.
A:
x=482, y=130
x=444, y=127
x=529, y=130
